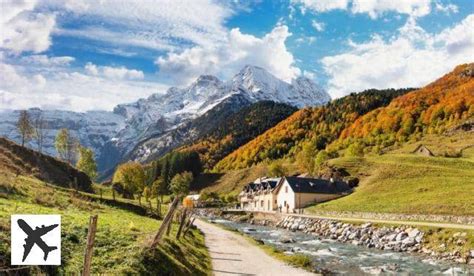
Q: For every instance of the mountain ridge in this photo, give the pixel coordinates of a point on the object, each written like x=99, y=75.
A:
x=133, y=129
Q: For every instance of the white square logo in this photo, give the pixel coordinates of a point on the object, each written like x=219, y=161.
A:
x=35, y=240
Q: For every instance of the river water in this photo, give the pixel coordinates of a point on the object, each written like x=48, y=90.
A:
x=343, y=258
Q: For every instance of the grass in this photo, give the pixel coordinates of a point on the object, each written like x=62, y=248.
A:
x=121, y=238
x=407, y=183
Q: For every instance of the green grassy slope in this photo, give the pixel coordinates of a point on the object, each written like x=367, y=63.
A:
x=121, y=234
x=407, y=183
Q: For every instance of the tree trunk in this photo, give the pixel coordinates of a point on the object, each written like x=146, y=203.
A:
x=181, y=223
x=164, y=224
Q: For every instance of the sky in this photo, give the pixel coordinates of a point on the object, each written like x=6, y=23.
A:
x=92, y=55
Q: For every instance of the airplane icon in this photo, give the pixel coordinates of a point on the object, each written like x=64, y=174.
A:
x=34, y=237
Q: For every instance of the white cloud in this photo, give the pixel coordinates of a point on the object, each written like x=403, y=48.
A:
x=162, y=25
x=67, y=90
x=374, y=8
x=44, y=60
x=22, y=30
x=116, y=73
x=413, y=58
x=448, y=8
x=226, y=58
x=318, y=26
x=321, y=5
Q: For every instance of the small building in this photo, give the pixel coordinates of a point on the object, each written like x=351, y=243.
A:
x=288, y=194
x=423, y=150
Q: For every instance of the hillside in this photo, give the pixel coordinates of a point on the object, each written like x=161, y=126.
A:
x=120, y=240
x=432, y=109
x=320, y=125
x=23, y=161
x=237, y=129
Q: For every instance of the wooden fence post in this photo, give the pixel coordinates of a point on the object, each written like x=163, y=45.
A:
x=170, y=223
x=164, y=224
x=181, y=223
x=89, y=246
x=190, y=223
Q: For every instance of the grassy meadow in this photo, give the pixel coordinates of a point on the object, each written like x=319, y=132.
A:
x=121, y=236
x=407, y=183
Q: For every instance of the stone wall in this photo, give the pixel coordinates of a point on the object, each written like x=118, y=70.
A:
x=402, y=217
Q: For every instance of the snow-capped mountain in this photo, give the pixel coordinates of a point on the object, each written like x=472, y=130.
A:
x=149, y=127
x=94, y=129
x=260, y=85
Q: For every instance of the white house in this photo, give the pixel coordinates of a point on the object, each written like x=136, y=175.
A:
x=298, y=192
x=289, y=193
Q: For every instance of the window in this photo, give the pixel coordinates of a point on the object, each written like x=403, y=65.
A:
x=286, y=189
x=261, y=203
x=275, y=201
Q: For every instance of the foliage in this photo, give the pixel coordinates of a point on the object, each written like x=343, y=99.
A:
x=276, y=169
x=86, y=162
x=312, y=127
x=24, y=127
x=180, y=183
x=433, y=109
x=238, y=129
x=321, y=157
x=132, y=177
x=66, y=145
x=355, y=150
x=175, y=163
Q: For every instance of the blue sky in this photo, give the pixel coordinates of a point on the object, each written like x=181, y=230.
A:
x=82, y=55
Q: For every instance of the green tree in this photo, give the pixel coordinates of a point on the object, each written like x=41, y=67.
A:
x=321, y=157
x=66, y=145
x=24, y=127
x=131, y=176
x=180, y=184
x=276, y=169
x=306, y=157
x=86, y=162
x=355, y=149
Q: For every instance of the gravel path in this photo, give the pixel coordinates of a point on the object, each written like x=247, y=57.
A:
x=232, y=254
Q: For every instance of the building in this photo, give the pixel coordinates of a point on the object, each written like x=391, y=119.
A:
x=288, y=194
x=423, y=150
x=259, y=195
x=294, y=193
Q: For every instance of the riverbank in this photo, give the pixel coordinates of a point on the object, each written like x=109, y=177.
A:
x=233, y=254
x=453, y=245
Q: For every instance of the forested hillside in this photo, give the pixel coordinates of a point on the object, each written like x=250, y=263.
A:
x=319, y=126
x=237, y=130
x=433, y=109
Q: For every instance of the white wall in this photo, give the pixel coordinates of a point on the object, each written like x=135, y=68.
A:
x=283, y=196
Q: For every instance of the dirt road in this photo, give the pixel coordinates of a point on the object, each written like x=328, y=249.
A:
x=233, y=255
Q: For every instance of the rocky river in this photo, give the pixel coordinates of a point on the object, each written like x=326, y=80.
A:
x=351, y=250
